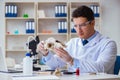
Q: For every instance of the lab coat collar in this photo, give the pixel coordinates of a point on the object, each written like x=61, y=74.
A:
x=91, y=42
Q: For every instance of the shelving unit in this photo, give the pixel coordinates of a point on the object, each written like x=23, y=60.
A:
x=74, y=5
x=15, y=28
x=46, y=24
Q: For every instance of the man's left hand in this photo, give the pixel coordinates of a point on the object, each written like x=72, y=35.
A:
x=63, y=54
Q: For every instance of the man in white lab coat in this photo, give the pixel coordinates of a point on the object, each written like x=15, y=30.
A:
x=96, y=54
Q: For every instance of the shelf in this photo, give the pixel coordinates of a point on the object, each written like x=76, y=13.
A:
x=54, y=18
x=76, y=4
x=18, y=18
x=73, y=33
x=18, y=50
x=20, y=34
x=52, y=34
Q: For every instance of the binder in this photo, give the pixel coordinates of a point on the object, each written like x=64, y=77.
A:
x=27, y=27
x=15, y=11
x=95, y=9
x=9, y=11
x=59, y=27
x=72, y=28
x=62, y=10
x=12, y=11
x=59, y=11
x=98, y=11
x=6, y=11
x=65, y=11
x=56, y=11
x=33, y=27
x=65, y=24
x=62, y=29
x=30, y=27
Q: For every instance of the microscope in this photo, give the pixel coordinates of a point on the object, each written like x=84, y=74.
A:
x=32, y=46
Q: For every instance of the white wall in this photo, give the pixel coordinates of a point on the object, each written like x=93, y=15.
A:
x=2, y=27
x=110, y=19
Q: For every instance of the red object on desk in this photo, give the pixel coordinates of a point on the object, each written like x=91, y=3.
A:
x=77, y=71
x=8, y=32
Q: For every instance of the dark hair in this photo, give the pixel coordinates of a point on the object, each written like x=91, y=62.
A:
x=83, y=11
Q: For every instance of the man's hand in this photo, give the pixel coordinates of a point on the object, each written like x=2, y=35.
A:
x=64, y=55
x=40, y=48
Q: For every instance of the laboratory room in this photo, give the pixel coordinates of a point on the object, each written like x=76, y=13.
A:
x=59, y=40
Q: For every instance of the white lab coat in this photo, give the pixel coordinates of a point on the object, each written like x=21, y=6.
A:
x=98, y=55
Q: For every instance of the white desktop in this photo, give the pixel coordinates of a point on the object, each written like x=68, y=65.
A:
x=86, y=76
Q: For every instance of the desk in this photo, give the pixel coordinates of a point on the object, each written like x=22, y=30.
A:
x=91, y=77
x=4, y=76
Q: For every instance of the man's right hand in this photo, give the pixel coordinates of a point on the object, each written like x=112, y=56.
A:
x=40, y=48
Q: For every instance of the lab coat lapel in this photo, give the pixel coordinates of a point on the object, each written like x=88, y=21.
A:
x=94, y=40
x=80, y=43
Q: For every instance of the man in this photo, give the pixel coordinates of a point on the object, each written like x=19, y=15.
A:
x=91, y=51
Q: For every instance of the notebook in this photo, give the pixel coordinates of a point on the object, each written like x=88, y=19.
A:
x=3, y=65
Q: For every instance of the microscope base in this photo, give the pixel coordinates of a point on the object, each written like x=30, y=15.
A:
x=36, y=68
